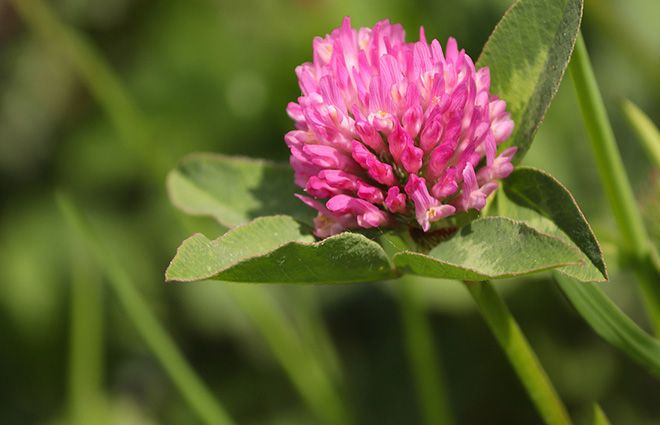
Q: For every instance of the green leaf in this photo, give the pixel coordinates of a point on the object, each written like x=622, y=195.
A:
x=277, y=250
x=610, y=323
x=490, y=248
x=234, y=190
x=527, y=54
x=538, y=199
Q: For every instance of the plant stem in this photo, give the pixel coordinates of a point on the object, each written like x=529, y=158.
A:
x=646, y=131
x=299, y=360
x=86, y=340
x=422, y=355
x=615, y=181
x=198, y=396
x=520, y=354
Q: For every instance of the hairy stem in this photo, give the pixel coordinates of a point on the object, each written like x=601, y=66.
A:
x=615, y=181
x=520, y=354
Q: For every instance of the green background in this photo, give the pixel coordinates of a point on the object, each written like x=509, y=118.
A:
x=216, y=76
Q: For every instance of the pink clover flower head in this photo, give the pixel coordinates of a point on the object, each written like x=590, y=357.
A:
x=389, y=131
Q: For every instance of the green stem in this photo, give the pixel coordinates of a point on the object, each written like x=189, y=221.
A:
x=198, y=396
x=305, y=369
x=520, y=354
x=422, y=355
x=646, y=131
x=86, y=343
x=615, y=181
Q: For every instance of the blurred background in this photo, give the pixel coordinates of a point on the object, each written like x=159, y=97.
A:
x=104, y=115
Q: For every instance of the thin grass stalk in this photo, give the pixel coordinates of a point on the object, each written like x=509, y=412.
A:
x=596, y=416
x=194, y=391
x=303, y=366
x=308, y=317
x=618, y=189
x=520, y=354
x=647, y=133
x=86, y=340
x=422, y=355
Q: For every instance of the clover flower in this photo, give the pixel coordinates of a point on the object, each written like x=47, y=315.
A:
x=390, y=132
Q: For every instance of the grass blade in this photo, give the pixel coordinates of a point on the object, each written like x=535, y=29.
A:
x=520, y=354
x=86, y=339
x=615, y=181
x=646, y=131
x=194, y=391
x=304, y=368
x=608, y=321
x=422, y=355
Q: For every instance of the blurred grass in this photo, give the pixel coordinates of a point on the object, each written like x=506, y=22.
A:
x=87, y=338
x=130, y=123
x=208, y=409
x=212, y=75
x=647, y=133
x=634, y=240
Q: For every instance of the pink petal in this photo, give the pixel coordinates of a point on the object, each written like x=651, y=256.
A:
x=369, y=193
x=381, y=172
x=395, y=200
x=367, y=214
x=427, y=208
